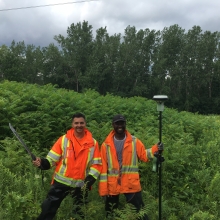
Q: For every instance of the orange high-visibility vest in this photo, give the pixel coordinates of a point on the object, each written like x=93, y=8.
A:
x=114, y=180
x=75, y=161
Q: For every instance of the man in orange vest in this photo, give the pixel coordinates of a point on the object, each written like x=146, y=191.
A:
x=120, y=153
x=78, y=164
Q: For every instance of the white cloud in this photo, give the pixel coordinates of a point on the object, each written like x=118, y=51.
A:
x=38, y=26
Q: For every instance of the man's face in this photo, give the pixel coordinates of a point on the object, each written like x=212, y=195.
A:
x=119, y=127
x=79, y=125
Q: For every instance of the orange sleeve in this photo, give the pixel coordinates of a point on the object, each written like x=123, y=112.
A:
x=141, y=151
x=145, y=154
x=154, y=148
x=55, y=153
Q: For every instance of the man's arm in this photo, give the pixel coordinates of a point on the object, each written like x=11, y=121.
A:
x=145, y=154
x=52, y=158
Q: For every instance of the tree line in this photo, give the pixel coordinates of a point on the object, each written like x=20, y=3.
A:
x=185, y=65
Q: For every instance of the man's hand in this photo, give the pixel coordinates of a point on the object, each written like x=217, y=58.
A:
x=37, y=162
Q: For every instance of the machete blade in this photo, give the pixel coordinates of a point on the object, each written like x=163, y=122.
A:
x=22, y=142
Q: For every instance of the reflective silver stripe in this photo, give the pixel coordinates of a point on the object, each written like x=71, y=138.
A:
x=149, y=154
x=53, y=156
x=65, y=142
x=94, y=172
x=91, y=154
x=69, y=182
x=129, y=169
x=64, y=145
x=103, y=177
x=62, y=169
x=92, y=149
x=96, y=161
x=134, y=152
x=115, y=172
x=109, y=157
x=89, y=159
x=110, y=171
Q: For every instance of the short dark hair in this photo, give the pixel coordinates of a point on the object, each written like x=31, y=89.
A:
x=78, y=115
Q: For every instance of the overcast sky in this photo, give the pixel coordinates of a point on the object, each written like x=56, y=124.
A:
x=39, y=25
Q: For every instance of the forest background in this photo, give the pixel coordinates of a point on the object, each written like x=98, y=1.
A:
x=185, y=65
x=41, y=88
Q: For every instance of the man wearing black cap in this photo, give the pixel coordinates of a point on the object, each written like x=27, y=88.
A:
x=120, y=153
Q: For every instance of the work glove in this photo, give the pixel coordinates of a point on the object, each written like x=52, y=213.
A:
x=89, y=181
x=156, y=148
x=160, y=146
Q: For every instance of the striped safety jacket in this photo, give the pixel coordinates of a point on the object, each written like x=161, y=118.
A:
x=114, y=180
x=75, y=159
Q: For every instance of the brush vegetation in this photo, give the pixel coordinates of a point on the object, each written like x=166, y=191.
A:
x=40, y=114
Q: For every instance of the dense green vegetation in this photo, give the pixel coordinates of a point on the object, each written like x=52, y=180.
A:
x=40, y=114
x=184, y=65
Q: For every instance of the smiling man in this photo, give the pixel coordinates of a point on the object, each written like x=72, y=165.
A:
x=78, y=164
x=120, y=153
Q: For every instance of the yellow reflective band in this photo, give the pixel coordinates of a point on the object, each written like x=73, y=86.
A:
x=94, y=172
x=87, y=164
x=67, y=181
x=109, y=157
x=103, y=177
x=134, y=153
x=96, y=161
x=90, y=158
x=64, y=146
x=129, y=169
x=149, y=153
x=53, y=156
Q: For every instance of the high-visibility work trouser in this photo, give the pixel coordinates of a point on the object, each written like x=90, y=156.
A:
x=135, y=199
x=56, y=195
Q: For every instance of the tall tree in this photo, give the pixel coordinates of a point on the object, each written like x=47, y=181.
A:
x=76, y=48
x=34, y=64
x=167, y=70
x=208, y=53
x=53, y=70
x=105, y=51
x=191, y=68
x=132, y=67
x=13, y=62
x=4, y=51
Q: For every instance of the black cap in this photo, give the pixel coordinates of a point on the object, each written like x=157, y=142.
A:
x=118, y=118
